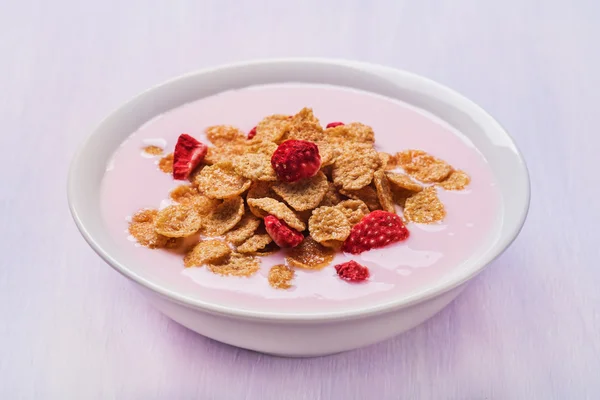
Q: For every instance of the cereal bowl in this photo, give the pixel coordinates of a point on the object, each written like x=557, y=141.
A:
x=278, y=326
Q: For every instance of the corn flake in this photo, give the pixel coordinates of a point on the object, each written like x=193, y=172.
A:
x=328, y=226
x=178, y=220
x=272, y=128
x=305, y=194
x=384, y=193
x=265, y=206
x=243, y=230
x=224, y=153
x=354, y=169
x=141, y=228
x=236, y=265
x=387, y=160
x=457, y=180
x=401, y=181
x=331, y=197
x=352, y=132
x=353, y=210
x=281, y=276
x=306, y=131
x=423, y=167
x=224, y=134
x=424, y=207
x=225, y=217
x=220, y=181
x=153, y=150
x=255, y=166
x=367, y=194
x=328, y=153
x=184, y=193
x=208, y=251
x=254, y=243
x=310, y=255
x=165, y=164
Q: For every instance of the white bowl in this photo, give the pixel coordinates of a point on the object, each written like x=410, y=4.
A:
x=306, y=334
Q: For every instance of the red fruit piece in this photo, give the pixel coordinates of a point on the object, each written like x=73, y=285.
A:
x=281, y=233
x=352, y=271
x=334, y=124
x=187, y=155
x=296, y=159
x=252, y=133
x=375, y=230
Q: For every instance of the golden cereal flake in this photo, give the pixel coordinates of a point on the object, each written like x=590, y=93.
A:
x=331, y=197
x=141, y=228
x=401, y=181
x=224, y=153
x=281, y=276
x=178, y=220
x=387, y=160
x=352, y=132
x=272, y=128
x=254, y=243
x=367, y=194
x=384, y=193
x=263, y=147
x=236, y=265
x=225, y=217
x=220, y=181
x=457, y=180
x=305, y=115
x=328, y=224
x=153, y=150
x=184, y=193
x=424, y=207
x=353, y=210
x=255, y=166
x=305, y=194
x=310, y=255
x=243, y=230
x=223, y=134
x=207, y=251
x=305, y=131
x=423, y=167
x=165, y=164
x=204, y=204
x=354, y=168
x=328, y=152
x=265, y=206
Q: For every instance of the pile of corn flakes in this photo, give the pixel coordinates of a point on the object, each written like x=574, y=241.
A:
x=235, y=187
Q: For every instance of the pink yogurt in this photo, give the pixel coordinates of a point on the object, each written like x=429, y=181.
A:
x=133, y=181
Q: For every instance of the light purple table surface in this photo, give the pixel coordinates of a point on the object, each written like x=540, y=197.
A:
x=526, y=328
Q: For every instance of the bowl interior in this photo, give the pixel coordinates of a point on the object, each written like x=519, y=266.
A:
x=487, y=135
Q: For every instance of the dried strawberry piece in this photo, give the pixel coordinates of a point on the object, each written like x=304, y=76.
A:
x=352, y=271
x=375, y=230
x=281, y=233
x=252, y=133
x=334, y=124
x=187, y=155
x=295, y=160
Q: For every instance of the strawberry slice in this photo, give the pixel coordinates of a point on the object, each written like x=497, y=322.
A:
x=352, y=271
x=375, y=230
x=282, y=234
x=252, y=133
x=295, y=160
x=334, y=124
x=187, y=155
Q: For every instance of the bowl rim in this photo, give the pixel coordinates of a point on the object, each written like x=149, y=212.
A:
x=375, y=309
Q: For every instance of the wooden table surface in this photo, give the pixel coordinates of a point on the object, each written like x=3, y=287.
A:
x=527, y=328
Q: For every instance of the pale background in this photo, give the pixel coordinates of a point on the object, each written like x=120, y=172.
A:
x=527, y=328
